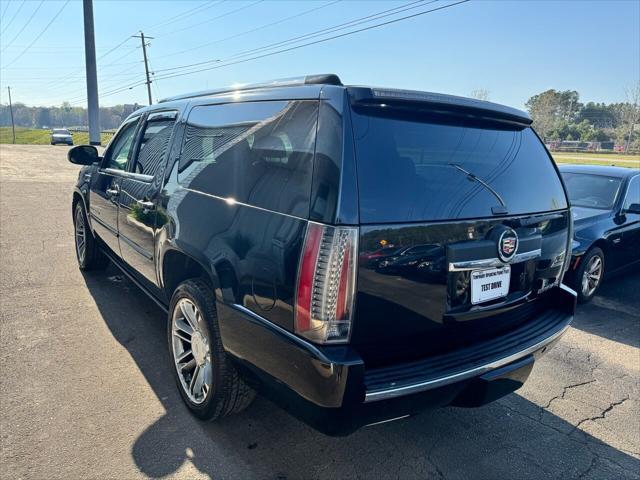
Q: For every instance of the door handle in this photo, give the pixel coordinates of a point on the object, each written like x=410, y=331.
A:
x=146, y=204
x=113, y=191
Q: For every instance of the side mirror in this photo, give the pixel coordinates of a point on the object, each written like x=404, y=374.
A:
x=83, y=155
x=633, y=208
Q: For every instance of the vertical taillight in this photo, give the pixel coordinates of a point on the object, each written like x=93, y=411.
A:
x=326, y=283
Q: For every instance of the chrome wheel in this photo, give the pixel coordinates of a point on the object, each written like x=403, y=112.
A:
x=592, y=276
x=81, y=235
x=191, y=350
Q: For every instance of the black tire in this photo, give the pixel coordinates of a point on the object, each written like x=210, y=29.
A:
x=586, y=293
x=228, y=393
x=93, y=258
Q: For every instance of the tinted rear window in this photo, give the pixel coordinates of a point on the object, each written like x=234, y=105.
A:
x=411, y=167
x=592, y=191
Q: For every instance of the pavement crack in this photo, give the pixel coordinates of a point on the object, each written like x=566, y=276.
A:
x=562, y=395
x=603, y=414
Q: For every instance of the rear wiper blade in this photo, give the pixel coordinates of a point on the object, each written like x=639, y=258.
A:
x=502, y=209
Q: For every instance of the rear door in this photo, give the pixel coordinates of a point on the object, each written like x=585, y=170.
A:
x=139, y=218
x=105, y=186
x=484, y=201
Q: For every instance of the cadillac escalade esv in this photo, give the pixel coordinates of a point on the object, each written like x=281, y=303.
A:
x=356, y=254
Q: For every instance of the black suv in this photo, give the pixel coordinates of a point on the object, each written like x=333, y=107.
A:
x=243, y=213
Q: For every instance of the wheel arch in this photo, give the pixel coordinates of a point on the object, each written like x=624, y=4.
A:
x=176, y=266
x=603, y=245
x=78, y=196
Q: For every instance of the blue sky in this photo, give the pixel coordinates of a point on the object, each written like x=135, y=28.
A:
x=513, y=49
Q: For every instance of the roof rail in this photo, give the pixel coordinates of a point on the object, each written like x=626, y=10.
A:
x=319, y=79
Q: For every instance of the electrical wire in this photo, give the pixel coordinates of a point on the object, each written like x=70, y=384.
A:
x=317, y=33
x=39, y=35
x=322, y=40
x=8, y=24
x=389, y=22
x=246, y=32
x=186, y=14
x=188, y=27
x=4, y=12
x=33, y=14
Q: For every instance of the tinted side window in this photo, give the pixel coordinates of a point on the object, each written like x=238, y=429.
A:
x=120, y=146
x=154, y=143
x=421, y=166
x=259, y=153
x=633, y=192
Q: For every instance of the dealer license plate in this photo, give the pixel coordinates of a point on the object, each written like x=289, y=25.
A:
x=490, y=284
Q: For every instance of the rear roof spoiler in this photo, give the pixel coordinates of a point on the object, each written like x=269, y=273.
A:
x=368, y=95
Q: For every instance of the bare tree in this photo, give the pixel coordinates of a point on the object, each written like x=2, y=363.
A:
x=480, y=94
x=631, y=112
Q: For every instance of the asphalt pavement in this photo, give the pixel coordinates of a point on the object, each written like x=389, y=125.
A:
x=86, y=390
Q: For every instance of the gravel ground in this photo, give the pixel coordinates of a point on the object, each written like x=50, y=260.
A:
x=86, y=392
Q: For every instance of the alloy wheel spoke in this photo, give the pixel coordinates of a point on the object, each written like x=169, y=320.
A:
x=182, y=335
x=184, y=327
x=195, y=381
x=189, y=314
x=184, y=355
x=188, y=366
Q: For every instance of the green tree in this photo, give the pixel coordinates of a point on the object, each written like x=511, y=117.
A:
x=549, y=108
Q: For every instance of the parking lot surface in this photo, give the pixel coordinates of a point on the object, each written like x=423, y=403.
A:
x=86, y=390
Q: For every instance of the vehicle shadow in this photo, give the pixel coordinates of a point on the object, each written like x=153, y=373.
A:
x=512, y=438
x=614, y=313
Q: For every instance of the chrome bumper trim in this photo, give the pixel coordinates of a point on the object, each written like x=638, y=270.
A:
x=378, y=395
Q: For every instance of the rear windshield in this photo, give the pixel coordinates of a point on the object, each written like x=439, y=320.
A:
x=417, y=166
x=592, y=191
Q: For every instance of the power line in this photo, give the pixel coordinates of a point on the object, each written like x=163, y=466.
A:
x=81, y=69
x=4, y=12
x=186, y=14
x=24, y=26
x=306, y=12
x=389, y=22
x=188, y=27
x=112, y=92
x=226, y=64
x=12, y=18
x=39, y=35
x=342, y=26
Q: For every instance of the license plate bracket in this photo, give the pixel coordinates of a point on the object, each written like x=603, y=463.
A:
x=489, y=284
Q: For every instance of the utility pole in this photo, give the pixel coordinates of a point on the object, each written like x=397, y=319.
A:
x=13, y=125
x=92, y=77
x=146, y=63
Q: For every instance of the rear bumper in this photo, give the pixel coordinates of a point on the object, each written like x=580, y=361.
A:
x=330, y=389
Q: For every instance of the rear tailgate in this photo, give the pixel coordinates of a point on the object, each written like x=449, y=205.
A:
x=478, y=217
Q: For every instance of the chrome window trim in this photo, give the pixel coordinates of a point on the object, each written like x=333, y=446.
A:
x=493, y=262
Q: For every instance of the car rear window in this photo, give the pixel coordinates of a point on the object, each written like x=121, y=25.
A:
x=421, y=166
x=592, y=191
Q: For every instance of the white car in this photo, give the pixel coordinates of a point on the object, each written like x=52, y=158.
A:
x=61, y=135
